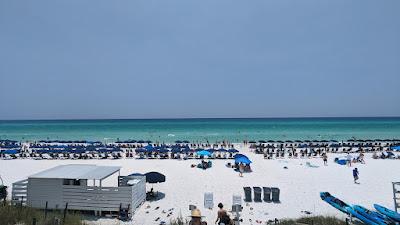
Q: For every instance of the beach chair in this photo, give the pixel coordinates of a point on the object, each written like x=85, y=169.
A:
x=247, y=194
x=267, y=194
x=236, y=200
x=257, y=194
x=208, y=200
x=275, y=194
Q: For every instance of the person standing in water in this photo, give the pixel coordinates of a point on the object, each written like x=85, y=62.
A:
x=355, y=175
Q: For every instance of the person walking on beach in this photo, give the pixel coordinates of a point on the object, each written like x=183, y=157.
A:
x=241, y=169
x=349, y=158
x=355, y=175
x=222, y=216
x=325, y=157
x=361, y=158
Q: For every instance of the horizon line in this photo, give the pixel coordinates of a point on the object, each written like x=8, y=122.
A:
x=213, y=118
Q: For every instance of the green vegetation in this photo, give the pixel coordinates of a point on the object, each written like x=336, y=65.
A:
x=11, y=215
x=178, y=221
x=315, y=220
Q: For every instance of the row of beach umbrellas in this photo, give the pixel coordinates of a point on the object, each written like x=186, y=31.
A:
x=150, y=148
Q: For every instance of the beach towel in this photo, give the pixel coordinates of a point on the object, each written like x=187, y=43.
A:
x=311, y=165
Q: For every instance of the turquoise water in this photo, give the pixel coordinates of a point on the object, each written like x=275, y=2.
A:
x=201, y=130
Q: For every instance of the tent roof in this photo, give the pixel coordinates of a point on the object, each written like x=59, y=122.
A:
x=78, y=171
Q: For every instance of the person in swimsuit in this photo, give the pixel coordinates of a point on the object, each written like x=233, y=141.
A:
x=222, y=216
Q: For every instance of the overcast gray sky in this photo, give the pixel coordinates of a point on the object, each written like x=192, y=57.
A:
x=208, y=58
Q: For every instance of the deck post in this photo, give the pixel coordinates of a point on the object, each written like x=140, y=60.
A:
x=45, y=211
x=65, y=211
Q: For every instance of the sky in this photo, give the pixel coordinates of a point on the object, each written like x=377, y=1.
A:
x=94, y=59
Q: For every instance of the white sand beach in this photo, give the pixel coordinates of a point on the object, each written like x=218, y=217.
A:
x=300, y=185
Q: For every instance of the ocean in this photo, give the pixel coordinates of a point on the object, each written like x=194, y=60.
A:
x=203, y=130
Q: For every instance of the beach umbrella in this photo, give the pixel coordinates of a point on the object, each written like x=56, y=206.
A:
x=203, y=153
x=252, y=142
x=232, y=150
x=164, y=150
x=149, y=147
x=154, y=177
x=140, y=141
x=396, y=148
x=178, y=142
x=262, y=141
x=211, y=150
x=239, y=156
x=187, y=150
x=148, y=141
x=243, y=160
x=222, y=150
x=10, y=151
x=176, y=150
x=138, y=150
x=186, y=142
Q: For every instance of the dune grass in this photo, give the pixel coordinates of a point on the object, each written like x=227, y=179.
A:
x=315, y=220
x=178, y=221
x=10, y=215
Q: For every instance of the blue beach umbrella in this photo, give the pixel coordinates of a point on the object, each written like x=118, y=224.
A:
x=149, y=147
x=396, y=148
x=243, y=160
x=239, y=156
x=211, y=150
x=175, y=150
x=10, y=151
x=222, y=150
x=164, y=150
x=203, y=153
x=187, y=150
x=232, y=150
x=138, y=150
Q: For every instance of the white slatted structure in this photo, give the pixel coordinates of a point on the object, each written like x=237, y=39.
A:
x=19, y=192
x=56, y=190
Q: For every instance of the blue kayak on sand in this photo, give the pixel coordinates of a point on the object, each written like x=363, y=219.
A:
x=372, y=215
x=335, y=202
x=387, y=212
x=345, y=208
